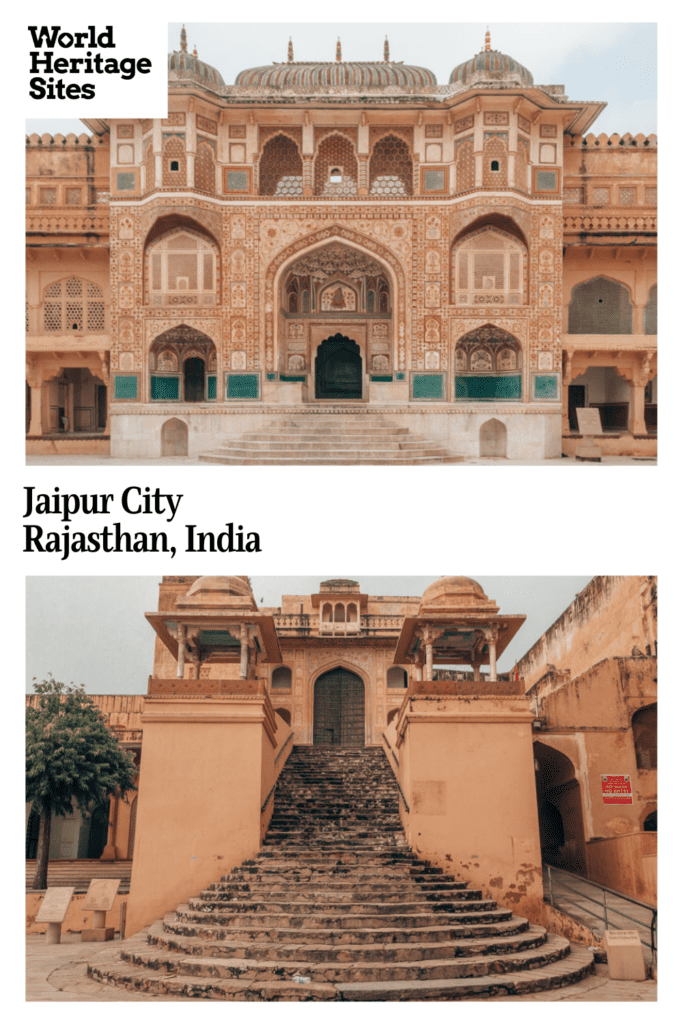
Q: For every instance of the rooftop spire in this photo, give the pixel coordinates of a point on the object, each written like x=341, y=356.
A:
x=194, y=52
x=487, y=40
x=290, y=50
x=386, y=47
x=183, y=40
x=338, y=48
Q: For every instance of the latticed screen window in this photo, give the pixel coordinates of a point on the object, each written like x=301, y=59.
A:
x=489, y=268
x=73, y=305
x=281, y=168
x=391, y=168
x=182, y=271
x=650, y=312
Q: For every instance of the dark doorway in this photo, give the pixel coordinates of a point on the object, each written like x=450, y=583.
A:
x=339, y=709
x=99, y=830
x=577, y=400
x=193, y=380
x=338, y=369
x=101, y=406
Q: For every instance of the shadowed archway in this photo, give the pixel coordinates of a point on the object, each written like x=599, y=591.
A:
x=338, y=369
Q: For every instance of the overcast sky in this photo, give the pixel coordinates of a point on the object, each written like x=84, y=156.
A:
x=611, y=61
x=92, y=629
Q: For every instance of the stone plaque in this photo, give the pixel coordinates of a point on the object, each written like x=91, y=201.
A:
x=589, y=421
x=101, y=894
x=55, y=905
x=618, y=933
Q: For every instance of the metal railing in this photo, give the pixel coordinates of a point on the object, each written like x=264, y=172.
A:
x=559, y=885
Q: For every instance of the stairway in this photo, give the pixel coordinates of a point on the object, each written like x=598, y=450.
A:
x=335, y=906
x=329, y=440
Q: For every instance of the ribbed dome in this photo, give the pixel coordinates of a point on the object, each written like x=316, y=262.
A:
x=185, y=65
x=182, y=64
x=491, y=66
x=218, y=591
x=456, y=595
x=450, y=587
x=351, y=74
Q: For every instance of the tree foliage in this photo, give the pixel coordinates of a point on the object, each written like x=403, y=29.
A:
x=70, y=753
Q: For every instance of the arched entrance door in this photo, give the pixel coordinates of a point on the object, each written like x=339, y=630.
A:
x=339, y=709
x=193, y=379
x=338, y=369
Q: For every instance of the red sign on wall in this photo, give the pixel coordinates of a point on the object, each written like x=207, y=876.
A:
x=616, y=789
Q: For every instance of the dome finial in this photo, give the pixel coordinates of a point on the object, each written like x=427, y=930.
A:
x=338, y=48
x=290, y=51
x=183, y=40
x=386, y=47
x=487, y=39
x=194, y=51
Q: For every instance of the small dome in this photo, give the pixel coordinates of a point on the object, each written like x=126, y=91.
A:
x=491, y=66
x=219, y=591
x=450, y=593
x=182, y=64
x=351, y=74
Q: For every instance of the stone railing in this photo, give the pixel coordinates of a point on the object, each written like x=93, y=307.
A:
x=63, y=223
x=627, y=223
x=604, y=141
x=48, y=140
x=368, y=625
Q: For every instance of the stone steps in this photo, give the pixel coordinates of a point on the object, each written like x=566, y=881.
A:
x=348, y=439
x=336, y=907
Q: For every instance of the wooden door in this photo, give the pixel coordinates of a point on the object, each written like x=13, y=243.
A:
x=339, y=709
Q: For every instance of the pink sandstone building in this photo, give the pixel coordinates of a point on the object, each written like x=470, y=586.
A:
x=339, y=247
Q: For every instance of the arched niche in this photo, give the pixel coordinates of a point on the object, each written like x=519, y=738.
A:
x=493, y=440
x=339, y=709
x=600, y=306
x=174, y=438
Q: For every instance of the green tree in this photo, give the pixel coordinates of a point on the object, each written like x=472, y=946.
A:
x=71, y=756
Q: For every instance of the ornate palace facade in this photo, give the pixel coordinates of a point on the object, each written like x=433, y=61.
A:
x=346, y=238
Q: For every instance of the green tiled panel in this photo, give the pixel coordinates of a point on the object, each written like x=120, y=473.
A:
x=165, y=389
x=125, y=386
x=381, y=379
x=211, y=387
x=487, y=388
x=427, y=385
x=243, y=385
x=296, y=379
x=545, y=386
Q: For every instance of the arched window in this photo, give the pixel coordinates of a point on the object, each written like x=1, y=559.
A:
x=281, y=168
x=327, y=613
x=182, y=269
x=397, y=678
x=600, y=306
x=336, y=168
x=73, y=305
x=489, y=266
x=391, y=168
x=644, y=724
x=488, y=364
x=339, y=613
x=650, y=823
x=650, y=312
x=351, y=613
x=281, y=678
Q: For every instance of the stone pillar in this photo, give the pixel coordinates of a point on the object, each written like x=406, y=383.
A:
x=636, y=408
x=307, y=171
x=36, y=424
x=493, y=636
x=429, y=660
x=477, y=673
x=567, y=376
x=190, y=170
x=244, y=652
x=109, y=852
x=181, y=651
x=638, y=319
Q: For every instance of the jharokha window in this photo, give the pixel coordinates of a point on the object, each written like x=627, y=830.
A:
x=489, y=268
x=181, y=270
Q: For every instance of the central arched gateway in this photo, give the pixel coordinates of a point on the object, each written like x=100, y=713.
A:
x=338, y=369
x=339, y=709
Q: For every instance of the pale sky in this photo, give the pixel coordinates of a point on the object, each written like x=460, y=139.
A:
x=611, y=61
x=92, y=629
